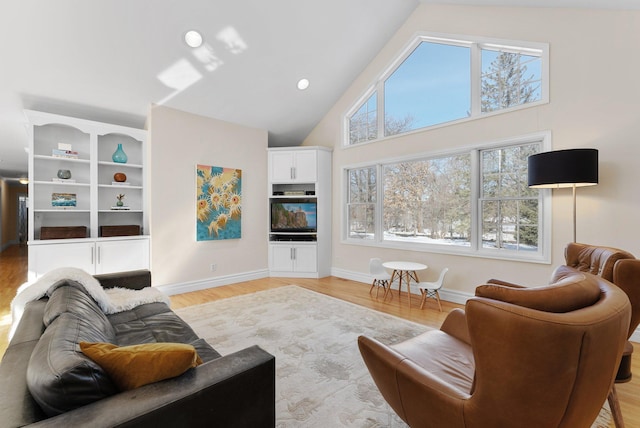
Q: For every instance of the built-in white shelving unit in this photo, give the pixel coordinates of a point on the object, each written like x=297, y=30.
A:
x=90, y=194
x=300, y=180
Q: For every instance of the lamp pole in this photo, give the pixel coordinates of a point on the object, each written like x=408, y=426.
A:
x=574, y=212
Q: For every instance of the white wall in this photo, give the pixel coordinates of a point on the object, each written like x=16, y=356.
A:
x=178, y=142
x=595, y=102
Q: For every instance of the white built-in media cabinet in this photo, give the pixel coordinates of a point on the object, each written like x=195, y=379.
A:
x=299, y=181
x=89, y=196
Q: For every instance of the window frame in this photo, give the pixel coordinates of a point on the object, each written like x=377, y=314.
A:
x=476, y=44
x=476, y=249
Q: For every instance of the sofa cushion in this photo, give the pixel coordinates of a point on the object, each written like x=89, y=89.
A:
x=156, y=322
x=133, y=366
x=572, y=291
x=59, y=376
x=70, y=296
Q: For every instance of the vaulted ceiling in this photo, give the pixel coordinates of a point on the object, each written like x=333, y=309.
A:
x=111, y=60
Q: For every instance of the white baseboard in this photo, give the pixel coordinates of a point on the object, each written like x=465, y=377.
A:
x=454, y=296
x=218, y=281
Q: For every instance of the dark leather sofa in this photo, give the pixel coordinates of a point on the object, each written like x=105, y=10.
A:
x=236, y=390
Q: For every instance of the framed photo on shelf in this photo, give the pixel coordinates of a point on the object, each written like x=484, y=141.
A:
x=63, y=199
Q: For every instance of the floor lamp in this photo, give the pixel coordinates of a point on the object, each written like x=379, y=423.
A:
x=564, y=168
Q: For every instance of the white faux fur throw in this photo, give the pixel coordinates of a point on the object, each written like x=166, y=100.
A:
x=110, y=300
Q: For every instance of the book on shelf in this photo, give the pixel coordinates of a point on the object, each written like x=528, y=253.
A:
x=122, y=208
x=69, y=154
x=63, y=180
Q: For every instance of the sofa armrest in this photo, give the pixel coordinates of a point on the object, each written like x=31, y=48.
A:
x=135, y=279
x=17, y=406
x=237, y=390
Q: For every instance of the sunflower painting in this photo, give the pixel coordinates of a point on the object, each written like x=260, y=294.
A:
x=218, y=203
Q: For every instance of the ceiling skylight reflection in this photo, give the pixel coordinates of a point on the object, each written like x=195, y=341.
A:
x=232, y=40
x=179, y=77
x=207, y=57
x=183, y=73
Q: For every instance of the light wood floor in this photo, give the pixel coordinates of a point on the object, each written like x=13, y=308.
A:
x=354, y=292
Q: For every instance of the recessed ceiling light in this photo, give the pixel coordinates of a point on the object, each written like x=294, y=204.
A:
x=303, y=84
x=193, y=39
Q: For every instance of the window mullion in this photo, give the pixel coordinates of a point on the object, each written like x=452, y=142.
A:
x=379, y=228
x=476, y=216
x=380, y=108
x=476, y=80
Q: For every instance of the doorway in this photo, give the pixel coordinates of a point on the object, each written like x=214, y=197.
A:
x=23, y=218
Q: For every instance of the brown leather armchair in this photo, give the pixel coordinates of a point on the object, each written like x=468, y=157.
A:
x=623, y=269
x=525, y=357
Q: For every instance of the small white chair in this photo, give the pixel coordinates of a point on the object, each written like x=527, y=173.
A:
x=380, y=277
x=430, y=289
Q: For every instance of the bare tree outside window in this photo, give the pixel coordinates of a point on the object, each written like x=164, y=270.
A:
x=363, y=124
x=509, y=207
x=438, y=80
x=509, y=79
x=428, y=201
x=362, y=202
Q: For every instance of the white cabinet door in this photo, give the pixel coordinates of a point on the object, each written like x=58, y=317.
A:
x=293, y=167
x=122, y=256
x=281, y=258
x=293, y=258
x=92, y=257
x=281, y=168
x=43, y=258
x=305, y=258
x=305, y=169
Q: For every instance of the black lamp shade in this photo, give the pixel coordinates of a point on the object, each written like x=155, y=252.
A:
x=564, y=168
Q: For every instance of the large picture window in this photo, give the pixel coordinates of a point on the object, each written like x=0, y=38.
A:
x=428, y=201
x=476, y=202
x=439, y=80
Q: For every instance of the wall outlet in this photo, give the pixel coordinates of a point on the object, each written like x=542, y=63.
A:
x=213, y=267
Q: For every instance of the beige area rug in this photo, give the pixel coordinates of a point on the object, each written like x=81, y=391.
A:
x=321, y=380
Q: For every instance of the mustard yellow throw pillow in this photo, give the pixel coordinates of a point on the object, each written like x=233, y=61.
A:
x=132, y=366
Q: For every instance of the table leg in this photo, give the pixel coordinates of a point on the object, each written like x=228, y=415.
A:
x=411, y=274
x=407, y=277
x=388, y=290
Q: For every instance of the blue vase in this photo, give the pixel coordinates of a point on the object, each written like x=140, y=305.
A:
x=119, y=155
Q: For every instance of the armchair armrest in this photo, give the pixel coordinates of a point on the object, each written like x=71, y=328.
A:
x=505, y=283
x=456, y=325
x=237, y=390
x=626, y=275
x=135, y=279
x=415, y=394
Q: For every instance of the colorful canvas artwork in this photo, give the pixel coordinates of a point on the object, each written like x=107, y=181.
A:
x=218, y=203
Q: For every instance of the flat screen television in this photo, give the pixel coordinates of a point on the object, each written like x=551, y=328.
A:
x=293, y=216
